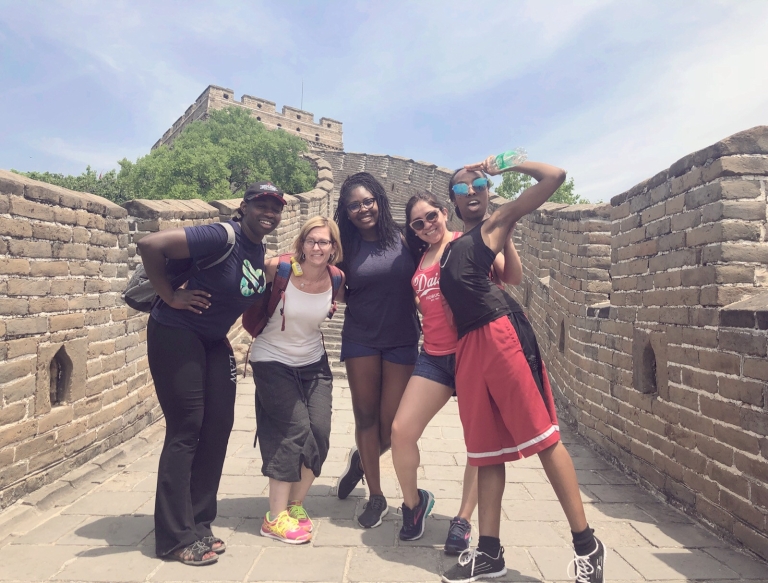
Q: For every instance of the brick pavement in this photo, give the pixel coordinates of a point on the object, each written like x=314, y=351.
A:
x=95, y=524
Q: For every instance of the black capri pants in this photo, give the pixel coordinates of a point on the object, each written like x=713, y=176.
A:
x=293, y=417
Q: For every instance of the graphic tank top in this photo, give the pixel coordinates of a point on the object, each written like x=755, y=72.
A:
x=439, y=333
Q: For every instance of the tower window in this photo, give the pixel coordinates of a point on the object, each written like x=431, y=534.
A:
x=60, y=370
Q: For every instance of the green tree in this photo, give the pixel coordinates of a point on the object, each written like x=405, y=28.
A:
x=212, y=159
x=218, y=158
x=513, y=183
x=108, y=185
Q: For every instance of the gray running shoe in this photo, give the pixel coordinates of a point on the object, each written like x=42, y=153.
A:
x=375, y=509
x=351, y=476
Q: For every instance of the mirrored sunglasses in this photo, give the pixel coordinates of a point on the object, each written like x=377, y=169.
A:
x=478, y=185
x=419, y=224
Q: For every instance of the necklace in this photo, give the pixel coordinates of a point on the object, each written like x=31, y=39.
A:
x=316, y=280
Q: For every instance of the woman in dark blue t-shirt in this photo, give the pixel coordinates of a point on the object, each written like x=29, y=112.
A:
x=379, y=341
x=194, y=369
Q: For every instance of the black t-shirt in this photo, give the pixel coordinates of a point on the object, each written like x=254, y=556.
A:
x=380, y=310
x=234, y=284
x=473, y=298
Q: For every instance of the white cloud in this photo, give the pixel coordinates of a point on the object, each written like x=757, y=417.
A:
x=417, y=52
x=691, y=73
x=101, y=157
x=137, y=49
x=713, y=85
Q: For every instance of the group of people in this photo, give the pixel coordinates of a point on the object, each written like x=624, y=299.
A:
x=477, y=345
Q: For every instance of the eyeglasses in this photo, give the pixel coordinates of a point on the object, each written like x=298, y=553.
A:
x=323, y=244
x=419, y=224
x=365, y=204
x=478, y=185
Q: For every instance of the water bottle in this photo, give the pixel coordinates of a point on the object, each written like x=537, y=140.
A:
x=509, y=159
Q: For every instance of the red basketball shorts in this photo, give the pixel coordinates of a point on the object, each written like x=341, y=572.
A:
x=506, y=412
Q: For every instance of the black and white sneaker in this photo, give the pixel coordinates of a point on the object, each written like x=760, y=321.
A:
x=351, y=476
x=589, y=568
x=375, y=509
x=414, y=520
x=474, y=564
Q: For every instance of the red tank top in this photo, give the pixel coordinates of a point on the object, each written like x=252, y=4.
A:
x=440, y=336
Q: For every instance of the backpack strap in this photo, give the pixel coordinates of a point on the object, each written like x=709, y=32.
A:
x=282, y=275
x=204, y=262
x=337, y=280
x=216, y=258
x=213, y=258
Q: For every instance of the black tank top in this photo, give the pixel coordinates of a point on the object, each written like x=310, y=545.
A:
x=464, y=282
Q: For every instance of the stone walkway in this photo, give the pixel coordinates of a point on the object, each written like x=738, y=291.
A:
x=95, y=524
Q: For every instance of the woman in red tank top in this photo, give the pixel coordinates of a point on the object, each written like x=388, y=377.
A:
x=432, y=382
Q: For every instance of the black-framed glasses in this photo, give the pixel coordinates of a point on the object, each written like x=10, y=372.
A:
x=419, y=224
x=478, y=185
x=358, y=205
x=322, y=243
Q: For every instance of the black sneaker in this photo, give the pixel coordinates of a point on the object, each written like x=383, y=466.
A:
x=375, y=509
x=415, y=520
x=589, y=568
x=459, y=535
x=475, y=564
x=351, y=476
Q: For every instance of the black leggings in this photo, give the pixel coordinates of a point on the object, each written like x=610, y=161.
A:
x=195, y=380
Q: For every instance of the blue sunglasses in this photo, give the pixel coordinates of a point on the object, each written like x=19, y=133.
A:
x=478, y=185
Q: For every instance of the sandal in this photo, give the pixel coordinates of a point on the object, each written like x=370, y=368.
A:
x=193, y=554
x=213, y=541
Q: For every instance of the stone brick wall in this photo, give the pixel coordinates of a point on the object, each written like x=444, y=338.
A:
x=74, y=379
x=323, y=135
x=400, y=177
x=652, y=314
x=73, y=371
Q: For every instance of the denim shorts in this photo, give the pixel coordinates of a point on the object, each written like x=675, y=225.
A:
x=397, y=355
x=441, y=369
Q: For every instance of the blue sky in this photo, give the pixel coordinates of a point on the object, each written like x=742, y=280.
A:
x=613, y=91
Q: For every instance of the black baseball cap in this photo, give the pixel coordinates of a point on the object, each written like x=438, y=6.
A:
x=264, y=188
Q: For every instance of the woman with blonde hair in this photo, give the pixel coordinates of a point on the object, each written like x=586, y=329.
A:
x=294, y=382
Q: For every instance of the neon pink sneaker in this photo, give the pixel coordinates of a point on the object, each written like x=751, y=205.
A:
x=296, y=510
x=285, y=529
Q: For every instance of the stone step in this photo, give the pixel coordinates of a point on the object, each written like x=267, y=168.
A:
x=339, y=370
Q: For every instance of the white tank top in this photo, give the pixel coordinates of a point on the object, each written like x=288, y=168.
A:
x=301, y=343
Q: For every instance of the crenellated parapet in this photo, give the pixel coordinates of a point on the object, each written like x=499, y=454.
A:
x=651, y=313
x=401, y=178
x=74, y=379
x=323, y=135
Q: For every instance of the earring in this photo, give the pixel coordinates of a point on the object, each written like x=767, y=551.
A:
x=330, y=258
x=302, y=257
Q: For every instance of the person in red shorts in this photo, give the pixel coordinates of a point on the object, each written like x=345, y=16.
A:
x=505, y=401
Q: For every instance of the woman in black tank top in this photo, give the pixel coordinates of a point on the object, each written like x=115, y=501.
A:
x=477, y=305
